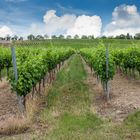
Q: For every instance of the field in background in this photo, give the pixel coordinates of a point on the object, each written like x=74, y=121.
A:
x=80, y=43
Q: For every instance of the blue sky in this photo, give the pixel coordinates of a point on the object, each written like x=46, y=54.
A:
x=19, y=15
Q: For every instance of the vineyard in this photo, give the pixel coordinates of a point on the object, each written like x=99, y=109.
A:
x=30, y=65
x=125, y=60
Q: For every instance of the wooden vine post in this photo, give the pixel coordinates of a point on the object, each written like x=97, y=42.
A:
x=19, y=98
x=107, y=70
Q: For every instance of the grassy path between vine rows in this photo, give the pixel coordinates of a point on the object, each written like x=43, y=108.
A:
x=70, y=113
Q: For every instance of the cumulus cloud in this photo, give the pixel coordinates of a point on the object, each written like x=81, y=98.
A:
x=58, y=25
x=68, y=24
x=125, y=19
x=52, y=24
x=37, y=29
x=5, y=30
x=86, y=25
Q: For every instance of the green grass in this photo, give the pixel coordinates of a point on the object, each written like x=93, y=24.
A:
x=133, y=121
x=68, y=111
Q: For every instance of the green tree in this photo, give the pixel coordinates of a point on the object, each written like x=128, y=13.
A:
x=20, y=38
x=69, y=37
x=39, y=37
x=91, y=37
x=31, y=37
x=61, y=37
x=84, y=37
x=137, y=36
x=54, y=37
x=76, y=37
x=46, y=36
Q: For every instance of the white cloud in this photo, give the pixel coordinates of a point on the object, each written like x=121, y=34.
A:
x=126, y=19
x=5, y=30
x=68, y=24
x=86, y=25
x=52, y=24
x=37, y=28
x=58, y=25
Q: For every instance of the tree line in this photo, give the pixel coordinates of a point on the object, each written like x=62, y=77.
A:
x=45, y=37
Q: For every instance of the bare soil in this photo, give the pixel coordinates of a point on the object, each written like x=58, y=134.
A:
x=8, y=102
x=124, y=96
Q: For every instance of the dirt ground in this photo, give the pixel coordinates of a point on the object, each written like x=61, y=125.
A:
x=8, y=102
x=124, y=96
